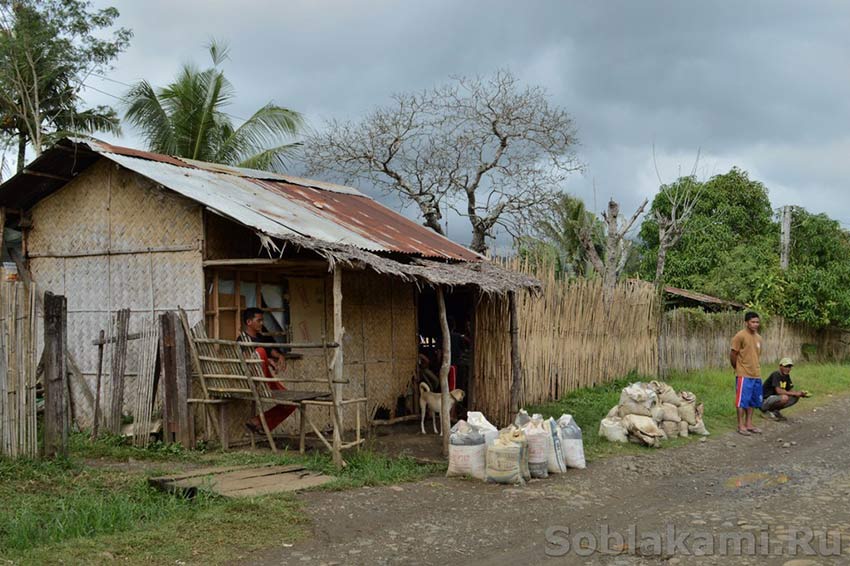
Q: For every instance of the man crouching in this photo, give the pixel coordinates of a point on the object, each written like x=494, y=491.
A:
x=777, y=391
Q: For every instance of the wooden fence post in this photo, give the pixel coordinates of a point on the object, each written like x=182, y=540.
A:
x=516, y=370
x=55, y=376
x=445, y=416
x=177, y=421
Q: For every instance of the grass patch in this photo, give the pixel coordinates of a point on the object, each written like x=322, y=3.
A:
x=715, y=388
x=97, y=506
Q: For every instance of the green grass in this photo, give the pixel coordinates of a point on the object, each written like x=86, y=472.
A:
x=715, y=388
x=97, y=505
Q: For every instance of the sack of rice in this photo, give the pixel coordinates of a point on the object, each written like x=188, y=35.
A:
x=517, y=436
x=670, y=428
x=699, y=428
x=666, y=394
x=687, y=409
x=503, y=462
x=657, y=413
x=671, y=412
x=571, y=442
x=477, y=421
x=638, y=393
x=522, y=418
x=467, y=452
x=683, y=429
x=537, y=438
x=612, y=429
x=630, y=407
x=556, y=464
x=643, y=429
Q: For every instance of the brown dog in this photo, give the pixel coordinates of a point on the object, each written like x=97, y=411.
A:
x=430, y=400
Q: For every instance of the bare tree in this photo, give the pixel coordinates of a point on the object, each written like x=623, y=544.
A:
x=488, y=148
x=616, y=244
x=672, y=211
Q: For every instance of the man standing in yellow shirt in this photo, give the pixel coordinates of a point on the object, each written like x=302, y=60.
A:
x=746, y=348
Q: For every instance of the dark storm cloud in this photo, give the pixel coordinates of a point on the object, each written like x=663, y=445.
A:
x=761, y=85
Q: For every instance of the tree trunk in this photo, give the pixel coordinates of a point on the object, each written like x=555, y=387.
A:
x=659, y=267
x=432, y=221
x=22, y=151
x=479, y=241
x=445, y=417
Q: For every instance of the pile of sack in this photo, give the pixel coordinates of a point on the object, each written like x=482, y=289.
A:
x=532, y=447
x=651, y=412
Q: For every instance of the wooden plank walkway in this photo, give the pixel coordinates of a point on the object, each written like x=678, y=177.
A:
x=241, y=481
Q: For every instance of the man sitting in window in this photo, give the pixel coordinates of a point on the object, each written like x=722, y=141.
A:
x=273, y=362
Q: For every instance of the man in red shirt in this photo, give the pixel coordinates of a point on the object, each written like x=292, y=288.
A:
x=273, y=362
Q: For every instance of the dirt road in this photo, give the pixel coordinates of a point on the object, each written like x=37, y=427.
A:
x=774, y=490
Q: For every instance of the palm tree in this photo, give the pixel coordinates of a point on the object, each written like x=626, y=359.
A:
x=186, y=119
x=561, y=227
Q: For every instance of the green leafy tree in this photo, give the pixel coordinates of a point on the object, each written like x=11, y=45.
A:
x=48, y=48
x=187, y=119
x=731, y=241
x=816, y=287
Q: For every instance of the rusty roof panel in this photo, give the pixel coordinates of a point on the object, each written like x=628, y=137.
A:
x=281, y=206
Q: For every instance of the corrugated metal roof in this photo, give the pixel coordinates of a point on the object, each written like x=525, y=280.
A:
x=277, y=205
x=701, y=297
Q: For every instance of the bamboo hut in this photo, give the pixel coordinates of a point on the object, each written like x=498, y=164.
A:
x=114, y=228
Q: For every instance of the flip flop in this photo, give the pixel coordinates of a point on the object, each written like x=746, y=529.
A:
x=744, y=432
x=754, y=430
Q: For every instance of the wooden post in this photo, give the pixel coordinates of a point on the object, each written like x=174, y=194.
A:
x=516, y=371
x=169, y=375
x=2, y=229
x=336, y=386
x=119, y=361
x=96, y=423
x=445, y=417
x=55, y=376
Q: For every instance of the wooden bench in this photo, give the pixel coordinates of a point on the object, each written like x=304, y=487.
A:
x=233, y=371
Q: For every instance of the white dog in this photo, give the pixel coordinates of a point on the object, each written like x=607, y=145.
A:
x=433, y=401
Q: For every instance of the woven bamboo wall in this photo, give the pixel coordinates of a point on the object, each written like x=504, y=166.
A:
x=696, y=340
x=108, y=240
x=566, y=340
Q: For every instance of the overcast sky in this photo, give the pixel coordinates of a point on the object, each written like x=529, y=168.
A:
x=764, y=86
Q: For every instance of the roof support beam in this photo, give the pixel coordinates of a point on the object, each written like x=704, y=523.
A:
x=45, y=175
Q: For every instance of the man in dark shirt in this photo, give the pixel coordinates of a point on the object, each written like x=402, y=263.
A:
x=777, y=391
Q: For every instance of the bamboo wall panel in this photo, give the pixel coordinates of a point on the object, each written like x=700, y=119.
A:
x=90, y=223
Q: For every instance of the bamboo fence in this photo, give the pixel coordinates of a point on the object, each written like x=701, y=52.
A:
x=692, y=340
x=18, y=321
x=567, y=339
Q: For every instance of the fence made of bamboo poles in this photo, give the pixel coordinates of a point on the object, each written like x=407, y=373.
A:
x=18, y=363
x=567, y=339
x=693, y=340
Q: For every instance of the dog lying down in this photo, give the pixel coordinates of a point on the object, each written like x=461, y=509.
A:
x=430, y=400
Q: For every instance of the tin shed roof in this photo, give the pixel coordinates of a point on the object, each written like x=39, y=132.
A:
x=278, y=205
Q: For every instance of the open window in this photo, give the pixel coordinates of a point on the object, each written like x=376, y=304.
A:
x=230, y=292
